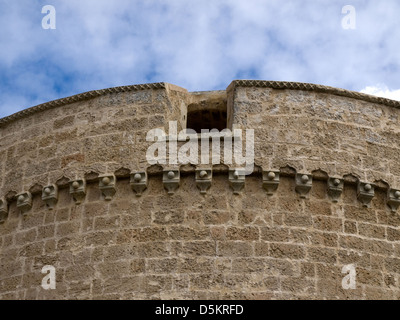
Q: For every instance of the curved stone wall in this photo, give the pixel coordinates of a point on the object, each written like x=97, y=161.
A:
x=323, y=195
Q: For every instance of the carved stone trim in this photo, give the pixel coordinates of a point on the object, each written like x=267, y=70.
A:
x=303, y=184
x=203, y=179
x=3, y=210
x=335, y=188
x=365, y=193
x=171, y=180
x=393, y=199
x=107, y=186
x=50, y=196
x=271, y=181
x=139, y=182
x=24, y=202
x=203, y=176
x=78, y=190
x=236, y=180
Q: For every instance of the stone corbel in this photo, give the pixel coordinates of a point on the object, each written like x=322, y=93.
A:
x=365, y=193
x=171, y=180
x=335, y=188
x=24, y=202
x=107, y=186
x=270, y=181
x=78, y=190
x=139, y=182
x=50, y=196
x=393, y=199
x=236, y=180
x=203, y=179
x=3, y=210
x=303, y=184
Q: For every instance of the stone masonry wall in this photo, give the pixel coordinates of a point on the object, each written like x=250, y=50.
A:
x=291, y=244
x=316, y=130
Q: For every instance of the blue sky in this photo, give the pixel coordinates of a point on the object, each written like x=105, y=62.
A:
x=199, y=45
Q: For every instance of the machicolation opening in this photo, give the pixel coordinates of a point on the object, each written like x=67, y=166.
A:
x=209, y=113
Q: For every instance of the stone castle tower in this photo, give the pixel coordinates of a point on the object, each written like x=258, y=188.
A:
x=79, y=194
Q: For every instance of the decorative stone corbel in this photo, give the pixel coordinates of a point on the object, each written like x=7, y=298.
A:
x=78, y=190
x=24, y=202
x=236, y=180
x=171, y=180
x=107, y=186
x=139, y=182
x=393, y=200
x=303, y=184
x=3, y=210
x=50, y=196
x=365, y=193
x=270, y=181
x=203, y=179
x=335, y=188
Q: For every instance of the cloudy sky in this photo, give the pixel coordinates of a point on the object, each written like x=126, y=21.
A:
x=196, y=44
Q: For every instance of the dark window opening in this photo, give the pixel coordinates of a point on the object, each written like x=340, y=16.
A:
x=207, y=115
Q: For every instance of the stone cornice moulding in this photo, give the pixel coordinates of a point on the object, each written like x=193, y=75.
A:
x=170, y=178
x=282, y=85
x=65, y=181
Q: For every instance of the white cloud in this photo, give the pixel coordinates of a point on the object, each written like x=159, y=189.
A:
x=199, y=45
x=381, y=90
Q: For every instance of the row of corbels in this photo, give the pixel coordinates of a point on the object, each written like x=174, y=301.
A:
x=171, y=181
